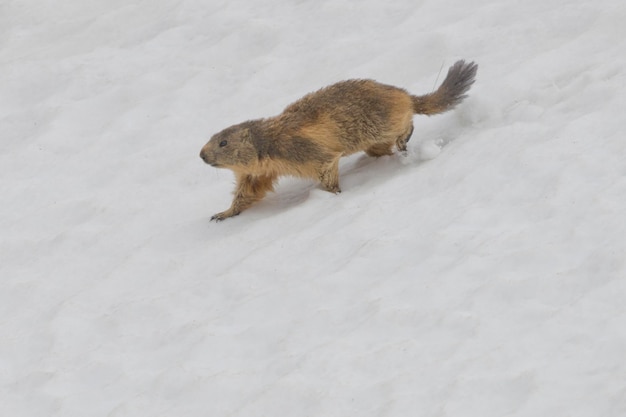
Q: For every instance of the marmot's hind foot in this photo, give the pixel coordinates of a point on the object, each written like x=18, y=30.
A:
x=334, y=189
x=329, y=176
x=403, y=140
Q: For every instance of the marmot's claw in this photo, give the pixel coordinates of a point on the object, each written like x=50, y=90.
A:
x=218, y=217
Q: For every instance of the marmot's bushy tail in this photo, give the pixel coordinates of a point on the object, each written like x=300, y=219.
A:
x=451, y=92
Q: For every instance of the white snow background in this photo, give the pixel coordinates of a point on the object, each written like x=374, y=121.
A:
x=481, y=275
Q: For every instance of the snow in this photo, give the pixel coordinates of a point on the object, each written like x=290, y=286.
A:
x=481, y=275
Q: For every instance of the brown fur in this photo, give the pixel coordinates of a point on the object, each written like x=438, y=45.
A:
x=311, y=135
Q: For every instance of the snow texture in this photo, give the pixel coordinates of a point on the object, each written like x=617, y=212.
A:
x=481, y=275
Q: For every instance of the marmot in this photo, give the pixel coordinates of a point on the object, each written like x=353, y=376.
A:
x=309, y=136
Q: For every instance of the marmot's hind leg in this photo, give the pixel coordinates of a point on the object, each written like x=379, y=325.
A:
x=329, y=176
x=404, y=139
x=380, y=149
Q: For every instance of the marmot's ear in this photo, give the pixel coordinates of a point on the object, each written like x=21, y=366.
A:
x=251, y=136
x=246, y=135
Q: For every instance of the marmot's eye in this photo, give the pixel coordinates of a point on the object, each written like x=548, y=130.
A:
x=223, y=143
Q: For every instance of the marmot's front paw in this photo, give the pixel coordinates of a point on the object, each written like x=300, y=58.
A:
x=223, y=215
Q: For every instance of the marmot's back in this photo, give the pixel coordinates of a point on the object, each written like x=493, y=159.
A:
x=351, y=115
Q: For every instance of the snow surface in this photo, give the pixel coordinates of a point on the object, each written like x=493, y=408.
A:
x=482, y=275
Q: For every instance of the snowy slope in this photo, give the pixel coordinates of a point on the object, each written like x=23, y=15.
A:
x=482, y=275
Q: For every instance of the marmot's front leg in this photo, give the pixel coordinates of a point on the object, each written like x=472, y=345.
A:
x=249, y=190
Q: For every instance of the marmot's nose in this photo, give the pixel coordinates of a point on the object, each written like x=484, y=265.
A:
x=203, y=155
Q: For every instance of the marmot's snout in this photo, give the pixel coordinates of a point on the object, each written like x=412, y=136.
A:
x=204, y=154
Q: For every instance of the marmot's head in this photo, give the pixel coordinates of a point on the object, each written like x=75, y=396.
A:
x=232, y=147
